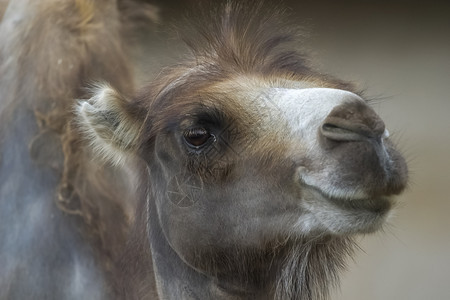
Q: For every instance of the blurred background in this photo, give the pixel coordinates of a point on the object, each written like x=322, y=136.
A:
x=399, y=51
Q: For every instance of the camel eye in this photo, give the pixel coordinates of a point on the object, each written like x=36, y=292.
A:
x=197, y=137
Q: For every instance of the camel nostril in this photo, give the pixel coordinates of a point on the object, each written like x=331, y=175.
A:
x=353, y=122
x=345, y=133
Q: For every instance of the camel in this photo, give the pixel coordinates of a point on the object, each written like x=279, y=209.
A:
x=238, y=173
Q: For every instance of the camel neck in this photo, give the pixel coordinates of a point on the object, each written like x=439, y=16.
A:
x=175, y=279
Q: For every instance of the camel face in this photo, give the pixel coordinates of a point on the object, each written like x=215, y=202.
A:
x=252, y=162
x=247, y=163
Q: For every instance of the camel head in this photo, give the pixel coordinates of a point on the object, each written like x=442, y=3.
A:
x=246, y=147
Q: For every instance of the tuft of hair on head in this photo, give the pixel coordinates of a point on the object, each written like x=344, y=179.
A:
x=246, y=37
x=110, y=124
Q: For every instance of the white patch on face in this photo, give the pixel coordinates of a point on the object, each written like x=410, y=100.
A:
x=304, y=110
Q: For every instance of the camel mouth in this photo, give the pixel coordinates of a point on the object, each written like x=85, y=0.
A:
x=376, y=204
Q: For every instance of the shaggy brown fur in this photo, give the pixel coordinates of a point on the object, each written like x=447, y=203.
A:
x=49, y=51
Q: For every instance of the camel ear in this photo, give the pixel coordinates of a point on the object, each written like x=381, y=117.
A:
x=108, y=122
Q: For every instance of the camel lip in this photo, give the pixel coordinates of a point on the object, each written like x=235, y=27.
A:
x=376, y=204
